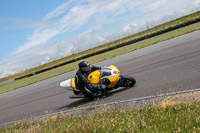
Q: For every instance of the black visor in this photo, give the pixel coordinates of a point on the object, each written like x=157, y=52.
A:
x=86, y=69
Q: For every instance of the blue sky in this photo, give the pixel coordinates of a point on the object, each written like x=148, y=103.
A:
x=33, y=32
x=14, y=13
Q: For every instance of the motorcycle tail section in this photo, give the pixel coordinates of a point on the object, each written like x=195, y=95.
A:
x=66, y=84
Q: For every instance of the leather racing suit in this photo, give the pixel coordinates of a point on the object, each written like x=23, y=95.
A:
x=83, y=84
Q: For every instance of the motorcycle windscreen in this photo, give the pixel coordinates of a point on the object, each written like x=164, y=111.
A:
x=106, y=72
x=111, y=73
x=94, y=77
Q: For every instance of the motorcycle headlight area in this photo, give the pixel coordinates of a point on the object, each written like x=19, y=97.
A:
x=108, y=72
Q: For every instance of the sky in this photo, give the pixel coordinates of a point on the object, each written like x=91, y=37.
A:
x=33, y=32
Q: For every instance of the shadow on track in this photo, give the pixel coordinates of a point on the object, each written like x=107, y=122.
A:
x=76, y=103
x=87, y=100
x=115, y=91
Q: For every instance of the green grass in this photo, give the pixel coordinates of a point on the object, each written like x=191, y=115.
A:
x=63, y=69
x=174, y=118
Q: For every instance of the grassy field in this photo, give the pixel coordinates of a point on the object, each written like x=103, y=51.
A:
x=51, y=73
x=174, y=118
x=147, y=42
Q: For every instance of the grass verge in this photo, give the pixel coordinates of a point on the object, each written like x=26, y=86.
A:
x=174, y=118
x=63, y=69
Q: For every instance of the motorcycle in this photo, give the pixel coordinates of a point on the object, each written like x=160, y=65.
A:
x=109, y=76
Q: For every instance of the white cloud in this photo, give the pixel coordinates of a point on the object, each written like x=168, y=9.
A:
x=47, y=58
x=57, y=11
x=74, y=19
x=196, y=3
x=39, y=37
x=130, y=27
x=87, y=23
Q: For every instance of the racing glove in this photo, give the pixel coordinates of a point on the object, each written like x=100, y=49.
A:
x=101, y=86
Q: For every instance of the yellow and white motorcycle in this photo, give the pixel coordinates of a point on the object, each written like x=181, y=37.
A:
x=109, y=76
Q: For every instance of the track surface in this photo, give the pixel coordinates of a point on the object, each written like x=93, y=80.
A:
x=173, y=65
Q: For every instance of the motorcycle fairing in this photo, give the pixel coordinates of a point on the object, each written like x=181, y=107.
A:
x=111, y=73
x=94, y=77
x=74, y=85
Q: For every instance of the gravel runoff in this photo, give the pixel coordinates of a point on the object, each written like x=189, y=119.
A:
x=188, y=96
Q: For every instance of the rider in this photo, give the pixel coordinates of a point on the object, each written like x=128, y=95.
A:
x=81, y=81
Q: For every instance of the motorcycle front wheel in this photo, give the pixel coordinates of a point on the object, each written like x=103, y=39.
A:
x=127, y=81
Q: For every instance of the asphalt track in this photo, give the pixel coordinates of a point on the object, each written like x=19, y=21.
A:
x=170, y=66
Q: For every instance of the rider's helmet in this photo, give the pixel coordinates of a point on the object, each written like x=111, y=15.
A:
x=84, y=66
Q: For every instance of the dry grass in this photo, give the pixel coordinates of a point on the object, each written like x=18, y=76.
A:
x=182, y=115
x=173, y=118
